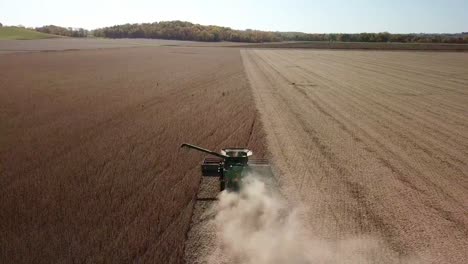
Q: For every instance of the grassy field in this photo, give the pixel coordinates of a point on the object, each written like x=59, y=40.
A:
x=23, y=34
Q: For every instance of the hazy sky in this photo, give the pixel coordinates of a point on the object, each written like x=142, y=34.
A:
x=347, y=16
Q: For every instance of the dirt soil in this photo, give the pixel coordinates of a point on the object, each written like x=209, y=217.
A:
x=90, y=165
x=67, y=44
x=372, y=144
x=73, y=44
x=361, y=45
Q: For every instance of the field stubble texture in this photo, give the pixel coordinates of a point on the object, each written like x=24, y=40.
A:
x=90, y=165
x=372, y=144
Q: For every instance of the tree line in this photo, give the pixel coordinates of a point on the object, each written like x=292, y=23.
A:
x=180, y=30
x=62, y=31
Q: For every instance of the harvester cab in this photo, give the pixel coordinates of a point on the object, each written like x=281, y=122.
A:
x=231, y=166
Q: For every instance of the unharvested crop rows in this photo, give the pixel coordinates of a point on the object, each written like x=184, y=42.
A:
x=90, y=166
x=372, y=143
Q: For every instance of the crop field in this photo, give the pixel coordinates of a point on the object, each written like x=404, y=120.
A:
x=363, y=45
x=373, y=144
x=370, y=149
x=73, y=44
x=91, y=169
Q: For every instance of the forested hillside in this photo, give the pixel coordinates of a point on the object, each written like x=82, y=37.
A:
x=180, y=30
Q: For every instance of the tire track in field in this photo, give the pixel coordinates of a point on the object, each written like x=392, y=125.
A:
x=410, y=79
x=436, y=135
x=393, y=105
x=396, y=119
x=363, y=73
x=361, y=216
x=413, y=143
x=401, y=176
x=396, y=116
x=357, y=156
x=424, y=149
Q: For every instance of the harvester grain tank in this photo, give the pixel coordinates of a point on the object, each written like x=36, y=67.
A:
x=231, y=166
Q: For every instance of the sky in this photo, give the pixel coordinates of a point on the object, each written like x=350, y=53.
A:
x=312, y=16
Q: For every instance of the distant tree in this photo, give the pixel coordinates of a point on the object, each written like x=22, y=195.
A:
x=69, y=32
x=182, y=30
x=382, y=37
x=345, y=37
x=1, y=25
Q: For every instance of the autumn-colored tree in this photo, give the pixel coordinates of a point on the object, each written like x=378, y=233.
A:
x=181, y=30
x=68, y=32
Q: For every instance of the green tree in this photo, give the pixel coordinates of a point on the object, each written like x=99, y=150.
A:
x=182, y=30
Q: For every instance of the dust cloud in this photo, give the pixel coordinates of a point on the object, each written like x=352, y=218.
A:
x=258, y=226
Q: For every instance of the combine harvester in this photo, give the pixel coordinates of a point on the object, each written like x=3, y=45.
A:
x=232, y=165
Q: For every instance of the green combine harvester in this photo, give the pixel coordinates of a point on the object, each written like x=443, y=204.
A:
x=231, y=166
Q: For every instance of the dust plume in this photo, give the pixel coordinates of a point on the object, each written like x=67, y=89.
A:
x=258, y=226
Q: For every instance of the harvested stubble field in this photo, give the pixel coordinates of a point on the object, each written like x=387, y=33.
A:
x=91, y=169
x=362, y=45
x=374, y=145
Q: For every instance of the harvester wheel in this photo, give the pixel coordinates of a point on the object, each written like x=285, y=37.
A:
x=222, y=185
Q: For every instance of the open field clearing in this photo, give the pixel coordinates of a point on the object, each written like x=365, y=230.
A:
x=90, y=166
x=373, y=145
